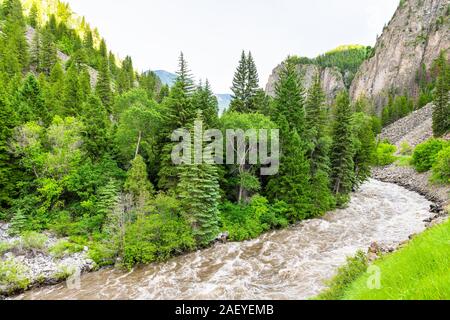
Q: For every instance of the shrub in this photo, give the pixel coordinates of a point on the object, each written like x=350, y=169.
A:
x=441, y=167
x=65, y=247
x=13, y=276
x=63, y=272
x=385, y=154
x=33, y=241
x=4, y=247
x=156, y=238
x=406, y=149
x=425, y=154
x=102, y=254
x=355, y=267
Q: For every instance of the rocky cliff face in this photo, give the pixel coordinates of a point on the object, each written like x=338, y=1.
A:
x=63, y=58
x=414, y=37
x=332, y=80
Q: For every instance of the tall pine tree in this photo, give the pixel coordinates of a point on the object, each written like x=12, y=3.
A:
x=441, y=113
x=319, y=145
x=103, y=88
x=199, y=193
x=245, y=86
x=342, y=165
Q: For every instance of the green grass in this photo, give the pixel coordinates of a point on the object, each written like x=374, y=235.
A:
x=403, y=161
x=419, y=271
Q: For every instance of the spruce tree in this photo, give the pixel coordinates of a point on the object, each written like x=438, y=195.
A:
x=103, y=51
x=88, y=41
x=246, y=94
x=31, y=102
x=364, y=147
x=48, y=54
x=54, y=100
x=292, y=183
x=112, y=64
x=441, y=112
x=137, y=183
x=252, y=84
x=103, y=88
x=71, y=92
x=342, y=165
x=18, y=223
x=240, y=85
x=126, y=76
x=289, y=101
x=199, y=192
x=85, y=84
x=203, y=99
x=8, y=120
x=35, y=52
x=319, y=145
x=184, y=76
x=96, y=122
x=15, y=56
x=179, y=113
x=33, y=16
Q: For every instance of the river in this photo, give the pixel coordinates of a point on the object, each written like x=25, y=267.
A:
x=284, y=264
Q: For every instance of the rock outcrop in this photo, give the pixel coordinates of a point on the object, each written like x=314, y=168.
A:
x=413, y=129
x=417, y=33
x=62, y=56
x=332, y=79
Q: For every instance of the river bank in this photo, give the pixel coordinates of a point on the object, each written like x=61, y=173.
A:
x=32, y=260
x=410, y=179
x=43, y=269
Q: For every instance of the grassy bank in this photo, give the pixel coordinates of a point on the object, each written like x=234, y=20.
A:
x=419, y=271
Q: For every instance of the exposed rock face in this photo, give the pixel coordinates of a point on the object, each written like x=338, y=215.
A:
x=332, y=79
x=415, y=36
x=413, y=129
x=62, y=56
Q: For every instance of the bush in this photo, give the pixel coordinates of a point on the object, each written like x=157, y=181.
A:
x=425, y=154
x=65, y=247
x=156, y=238
x=102, y=254
x=244, y=222
x=12, y=276
x=441, y=168
x=406, y=149
x=64, y=272
x=348, y=273
x=385, y=154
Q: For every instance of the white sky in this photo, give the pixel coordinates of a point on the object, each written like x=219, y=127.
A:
x=212, y=33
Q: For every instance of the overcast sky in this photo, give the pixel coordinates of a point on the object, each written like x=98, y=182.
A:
x=212, y=33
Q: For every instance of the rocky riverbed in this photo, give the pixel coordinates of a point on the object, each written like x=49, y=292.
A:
x=27, y=261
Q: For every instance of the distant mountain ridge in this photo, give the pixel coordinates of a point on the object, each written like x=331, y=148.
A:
x=168, y=78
